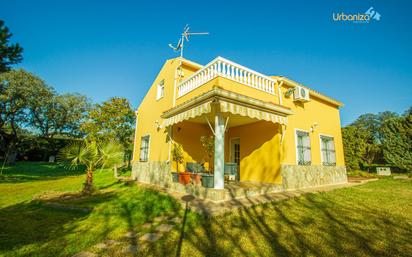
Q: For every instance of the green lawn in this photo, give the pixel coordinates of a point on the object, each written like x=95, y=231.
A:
x=374, y=219
x=30, y=227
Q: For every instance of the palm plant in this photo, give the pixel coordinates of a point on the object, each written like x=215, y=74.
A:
x=92, y=155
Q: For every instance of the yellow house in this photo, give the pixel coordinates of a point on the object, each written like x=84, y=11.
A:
x=274, y=129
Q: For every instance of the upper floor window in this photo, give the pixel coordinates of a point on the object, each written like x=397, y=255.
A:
x=327, y=147
x=160, y=90
x=144, y=148
x=303, y=147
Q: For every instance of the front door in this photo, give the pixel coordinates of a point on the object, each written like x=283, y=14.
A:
x=235, y=153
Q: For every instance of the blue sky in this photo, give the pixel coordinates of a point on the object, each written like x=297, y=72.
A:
x=115, y=48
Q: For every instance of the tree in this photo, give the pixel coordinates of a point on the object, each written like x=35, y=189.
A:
x=58, y=114
x=177, y=155
x=208, y=144
x=373, y=123
x=354, y=146
x=17, y=89
x=113, y=119
x=92, y=155
x=9, y=53
x=397, y=141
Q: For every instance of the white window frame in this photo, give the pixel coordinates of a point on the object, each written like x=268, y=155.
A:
x=148, y=148
x=160, y=92
x=320, y=147
x=296, y=146
x=230, y=148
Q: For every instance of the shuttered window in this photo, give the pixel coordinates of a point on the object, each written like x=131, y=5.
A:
x=303, y=148
x=327, y=145
x=160, y=90
x=144, y=148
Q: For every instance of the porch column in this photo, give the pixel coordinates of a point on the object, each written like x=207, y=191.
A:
x=219, y=163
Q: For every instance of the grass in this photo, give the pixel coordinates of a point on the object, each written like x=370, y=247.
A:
x=367, y=174
x=374, y=219
x=361, y=173
x=31, y=227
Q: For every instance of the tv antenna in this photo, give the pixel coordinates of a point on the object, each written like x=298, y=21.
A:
x=185, y=36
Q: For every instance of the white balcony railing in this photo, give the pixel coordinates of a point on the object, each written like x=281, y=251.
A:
x=230, y=70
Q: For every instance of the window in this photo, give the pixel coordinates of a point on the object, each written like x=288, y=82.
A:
x=303, y=147
x=160, y=90
x=144, y=148
x=327, y=147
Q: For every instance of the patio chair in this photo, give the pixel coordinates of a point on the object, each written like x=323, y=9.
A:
x=231, y=171
x=194, y=167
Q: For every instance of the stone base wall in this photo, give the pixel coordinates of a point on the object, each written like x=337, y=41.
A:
x=297, y=176
x=293, y=177
x=157, y=173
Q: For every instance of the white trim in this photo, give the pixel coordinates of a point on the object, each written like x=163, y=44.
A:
x=227, y=121
x=158, y=96
x=296, y=144
x=170, y=137
x=320, y=146
x=210, y=125
x=148, y=147
x=135, y=134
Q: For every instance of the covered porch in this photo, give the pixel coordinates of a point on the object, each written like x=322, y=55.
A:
x=246, y=131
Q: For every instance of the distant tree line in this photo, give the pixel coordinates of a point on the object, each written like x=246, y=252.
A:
x=36, y=121
x=379, y=139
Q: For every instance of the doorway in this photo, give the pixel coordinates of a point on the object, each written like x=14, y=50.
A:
x=235, y=153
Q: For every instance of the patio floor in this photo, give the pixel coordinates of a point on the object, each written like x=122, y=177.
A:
x=232, y=190
x=245, y=194
x=211, y=208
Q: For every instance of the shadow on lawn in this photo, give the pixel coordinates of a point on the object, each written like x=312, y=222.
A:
x=38, y=222
x=310, y=225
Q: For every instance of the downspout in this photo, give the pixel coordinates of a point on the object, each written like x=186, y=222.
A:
x=170, y=129
x=280, y=92
x=169, y=134
x=281, y=103
x=283, y=133
x=177, y=75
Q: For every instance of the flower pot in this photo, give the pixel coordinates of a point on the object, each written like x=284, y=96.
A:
x=208, y=180
x=197, y=178
x=184, y=178
x=175, y=177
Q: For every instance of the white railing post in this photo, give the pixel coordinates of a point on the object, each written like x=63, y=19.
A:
x=230, y=70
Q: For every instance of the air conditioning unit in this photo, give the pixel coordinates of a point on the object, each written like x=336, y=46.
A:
x=301, y=94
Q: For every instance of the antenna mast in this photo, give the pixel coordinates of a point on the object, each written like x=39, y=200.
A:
x=185, y=36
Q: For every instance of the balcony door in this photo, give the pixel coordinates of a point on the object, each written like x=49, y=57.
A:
x=235, y=152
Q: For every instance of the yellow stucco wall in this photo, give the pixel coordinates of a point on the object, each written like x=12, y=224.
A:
x=304, y=116
x=151, y=109
x=260, y=151
x=188, y=134
x=260, y=154
x=229, y=85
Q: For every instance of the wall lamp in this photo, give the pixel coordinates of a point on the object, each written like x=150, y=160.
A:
x=313, y=127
